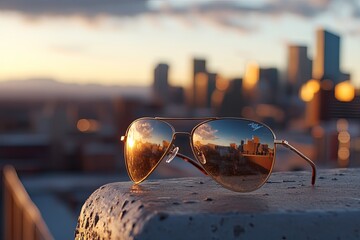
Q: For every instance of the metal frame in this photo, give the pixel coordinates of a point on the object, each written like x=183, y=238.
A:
x=312, y=164
x=195, y=162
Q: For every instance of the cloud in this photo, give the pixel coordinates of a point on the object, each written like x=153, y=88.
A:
x=228, y=20
x=246, y=16
x=233, y=15
x=144, y=129
x=130, y=8
x=205, y=132
x=306, y=8
x=86, y=8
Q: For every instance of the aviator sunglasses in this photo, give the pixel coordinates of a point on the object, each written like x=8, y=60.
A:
x=237, y=153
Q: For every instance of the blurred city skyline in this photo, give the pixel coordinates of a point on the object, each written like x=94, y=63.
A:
x=120, y=43
x=75, y=74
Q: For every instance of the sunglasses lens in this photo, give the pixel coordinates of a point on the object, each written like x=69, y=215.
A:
x=239, y=154
x=146, y=143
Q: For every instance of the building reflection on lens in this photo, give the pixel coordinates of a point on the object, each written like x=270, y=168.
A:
x=244, y=165
x=143, y=157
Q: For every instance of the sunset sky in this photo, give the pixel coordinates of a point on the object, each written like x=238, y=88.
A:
x=120, y=42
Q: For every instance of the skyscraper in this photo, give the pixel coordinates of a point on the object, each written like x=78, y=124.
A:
x=269, y=84
x=211, y=87
x=199, y=72
x=201, y=90
x=327, y=56
x=332, y=100
x=299, y=68
x=161, y=84
x=233, y=101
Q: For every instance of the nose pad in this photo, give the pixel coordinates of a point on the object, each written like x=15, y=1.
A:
x=171, y=154
x=200, y=156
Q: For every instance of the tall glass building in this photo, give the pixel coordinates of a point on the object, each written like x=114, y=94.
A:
x=327, y=57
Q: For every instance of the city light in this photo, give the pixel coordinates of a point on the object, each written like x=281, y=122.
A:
x=344, y=92
x=221, y=83
x=306, y=94
x=342, y=125
x=317, y=132
x=343, y=154
x=344, y=139
x=217, y=98
x=251, y=75
x=309, y=89
x=83, y=125
x=87, y=125
x=314, y=85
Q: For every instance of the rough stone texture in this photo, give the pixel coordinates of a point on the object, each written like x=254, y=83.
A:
x=287, y=207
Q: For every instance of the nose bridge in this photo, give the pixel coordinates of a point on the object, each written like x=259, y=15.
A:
x=181, y=133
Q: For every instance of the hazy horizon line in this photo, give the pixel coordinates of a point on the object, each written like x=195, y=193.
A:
x=78, y=82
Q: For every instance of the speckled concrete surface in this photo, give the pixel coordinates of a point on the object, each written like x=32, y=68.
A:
x=287, y=207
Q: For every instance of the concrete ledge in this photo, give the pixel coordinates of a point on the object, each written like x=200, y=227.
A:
x=287, y=207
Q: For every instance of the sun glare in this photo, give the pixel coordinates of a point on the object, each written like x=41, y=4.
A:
x=130, y=142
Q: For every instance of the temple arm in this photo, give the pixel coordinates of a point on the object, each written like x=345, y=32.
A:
x=312, y=164
x=191, y=161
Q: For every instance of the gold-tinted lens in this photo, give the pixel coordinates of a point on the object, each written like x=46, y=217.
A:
x=146, y=143
x=239, y=154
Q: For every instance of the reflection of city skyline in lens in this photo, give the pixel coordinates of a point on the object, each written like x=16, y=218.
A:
x=235, y=131
x=238, y=153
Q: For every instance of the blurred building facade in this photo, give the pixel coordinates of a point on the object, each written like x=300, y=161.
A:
x=199, y=83
x=161, y=83
x=299, y=69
